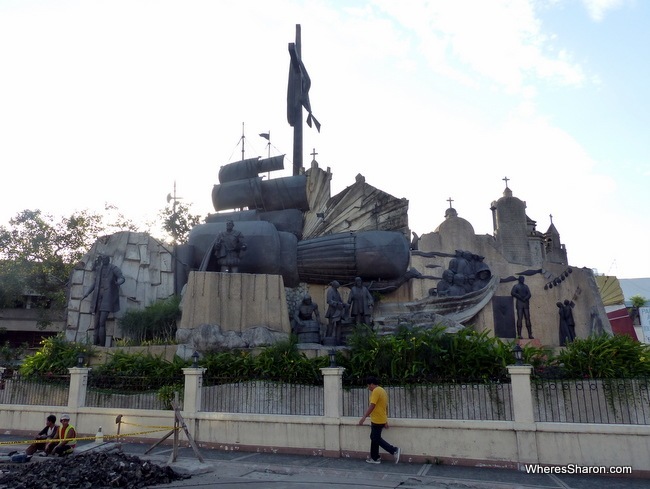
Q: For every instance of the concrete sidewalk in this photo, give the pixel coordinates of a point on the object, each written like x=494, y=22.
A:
x=234, y=469
x=268, y=470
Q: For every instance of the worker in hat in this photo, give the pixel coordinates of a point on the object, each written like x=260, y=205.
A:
x=67, y=435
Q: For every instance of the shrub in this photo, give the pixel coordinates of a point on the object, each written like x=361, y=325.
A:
x=415, y=355
x=55, y=356
x=604, y=357
x=155, y=324
x=142, y=365
x=281, y=362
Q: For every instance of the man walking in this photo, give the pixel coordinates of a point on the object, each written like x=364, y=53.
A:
x=378, y=412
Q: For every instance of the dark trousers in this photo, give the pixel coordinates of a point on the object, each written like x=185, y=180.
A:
x=100, y=328
x=63, y=450
x=377, y=441
x=523, y=313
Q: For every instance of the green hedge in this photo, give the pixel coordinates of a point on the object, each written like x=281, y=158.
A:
x=410, y=356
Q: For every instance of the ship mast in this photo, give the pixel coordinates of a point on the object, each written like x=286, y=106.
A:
x=243, y=142
x=297, y=116
x=297, y=99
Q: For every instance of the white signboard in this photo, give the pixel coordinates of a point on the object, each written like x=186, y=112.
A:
x=644, y=317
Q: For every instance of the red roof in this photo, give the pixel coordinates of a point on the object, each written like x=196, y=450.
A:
x=622, y=323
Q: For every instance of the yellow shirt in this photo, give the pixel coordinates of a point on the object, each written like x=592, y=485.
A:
x=379, y=398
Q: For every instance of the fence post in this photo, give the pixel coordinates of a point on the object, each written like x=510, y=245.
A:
x=333, y=391
x=192, y=390
x=78, y=386
x=524, y=419
x=332, y=409
x=193, y=381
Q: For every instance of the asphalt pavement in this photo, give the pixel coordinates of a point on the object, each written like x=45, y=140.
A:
x=248, y=470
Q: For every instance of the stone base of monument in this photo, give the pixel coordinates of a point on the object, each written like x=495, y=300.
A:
x=330, y=341
x=235, y=301
x=532, y=342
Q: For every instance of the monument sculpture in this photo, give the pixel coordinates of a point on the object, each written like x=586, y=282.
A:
x=306, y=321
x=521, y=293
x=228, y=247
x=566, y=322
x=270, y=235
x=336, y=311
x=361, y=302
x=467, y=272
x=106, y=298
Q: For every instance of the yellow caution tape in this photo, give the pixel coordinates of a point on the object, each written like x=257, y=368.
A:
x=85, y=438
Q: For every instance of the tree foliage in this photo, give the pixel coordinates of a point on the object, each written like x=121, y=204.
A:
x=38, y=252
x=638, y=301
x=178, y=221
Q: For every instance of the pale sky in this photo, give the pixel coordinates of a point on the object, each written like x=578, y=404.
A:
x=112, y=101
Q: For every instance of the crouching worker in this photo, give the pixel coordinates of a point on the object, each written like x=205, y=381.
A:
x=67, y=435
x=50, y=432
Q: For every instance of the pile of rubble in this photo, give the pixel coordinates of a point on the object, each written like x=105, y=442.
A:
x=85, y=471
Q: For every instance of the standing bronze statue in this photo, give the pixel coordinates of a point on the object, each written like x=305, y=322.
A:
x=361, y=302
x=228, y=247
x=522, y=295
x=106, y=298
x=335, y=312
x=567, y=323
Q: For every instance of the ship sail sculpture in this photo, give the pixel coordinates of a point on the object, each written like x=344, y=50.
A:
x=272, y=225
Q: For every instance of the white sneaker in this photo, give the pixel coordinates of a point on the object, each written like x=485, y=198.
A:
x=397, y=453
x=371, y=461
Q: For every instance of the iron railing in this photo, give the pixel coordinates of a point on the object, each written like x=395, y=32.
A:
x=615, y=401
x=120, y=391
x=261, y=397
x=491, y=402
x=47, y=390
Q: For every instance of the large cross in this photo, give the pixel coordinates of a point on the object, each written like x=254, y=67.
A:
x=505, y=179
x=450, y=200
x=313, y=154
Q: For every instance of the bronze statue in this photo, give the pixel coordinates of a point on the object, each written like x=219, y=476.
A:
x=106, y=298
x=335, y=312
x=305, y=314
x=361, y=302
x=567, y=323
x=458, y=286
x=229, y=245
x=445, y=284
x=522, y=295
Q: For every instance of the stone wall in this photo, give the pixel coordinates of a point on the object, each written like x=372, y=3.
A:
x=148, y=269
